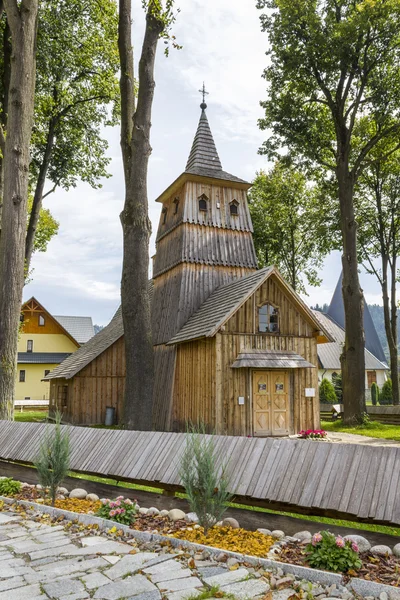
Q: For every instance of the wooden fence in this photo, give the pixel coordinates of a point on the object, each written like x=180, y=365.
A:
x=384, y=414
x=345, y=480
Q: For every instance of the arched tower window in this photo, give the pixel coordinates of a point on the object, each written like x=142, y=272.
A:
x=268, y=319
x=203, y=203
x=234, y=208
x=164, y=213
x=176, y=203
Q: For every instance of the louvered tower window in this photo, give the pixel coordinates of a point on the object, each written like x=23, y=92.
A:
x=203, y=203
x=176, y=202
x=234, y=208
x=164, y=212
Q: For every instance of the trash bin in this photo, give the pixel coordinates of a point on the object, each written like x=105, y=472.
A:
x=110, y=416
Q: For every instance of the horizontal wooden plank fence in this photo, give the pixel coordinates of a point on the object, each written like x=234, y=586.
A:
x=346, y=480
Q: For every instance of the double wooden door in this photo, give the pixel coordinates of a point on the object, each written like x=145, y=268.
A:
x=271, y=403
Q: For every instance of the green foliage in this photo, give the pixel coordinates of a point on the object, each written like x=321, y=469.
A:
x=9, y=487
x=206, y=484
x=374, y=393
x=327, y=392
x=52, y=462
x=47, y=228
x=326, y=551
x=338, y=386
x=119, y=510
x=289, y=224
x=386, y=395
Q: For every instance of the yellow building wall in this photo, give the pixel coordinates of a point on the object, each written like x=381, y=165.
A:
x=46, y=342
x=33, y=387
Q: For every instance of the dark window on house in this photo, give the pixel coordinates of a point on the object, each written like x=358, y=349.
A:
x=268, y=319
x=41, y=321
x=234, y=208
x=29, y=346
x=62, y=395
x=27, y=398
x=203, y=203
x=176, y=202
x=46, y=372
x=22, y=375
x=164, y=212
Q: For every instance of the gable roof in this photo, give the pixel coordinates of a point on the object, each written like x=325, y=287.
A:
x=329, y=354
x=48, y=314
x=227, y=299
x=336, y=311
x=81, y=328
x=91, y=350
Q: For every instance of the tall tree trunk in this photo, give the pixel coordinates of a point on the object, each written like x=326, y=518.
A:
x=394, y=353
x=22, y=19
x=38, y=196
x=4, y=102
x=136, y=149
x=353, y=357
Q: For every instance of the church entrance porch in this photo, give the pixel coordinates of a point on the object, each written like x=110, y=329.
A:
x=271, y=403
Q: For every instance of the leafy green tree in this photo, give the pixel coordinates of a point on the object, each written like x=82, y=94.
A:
x=386, y=394
x=47, y=228
x=332, y=63
x=289, y=225
x=327, y=392
x=378, y=209
x=338, y=386
x=374, y=393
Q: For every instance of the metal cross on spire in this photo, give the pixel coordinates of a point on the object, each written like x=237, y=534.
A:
x=203, y=105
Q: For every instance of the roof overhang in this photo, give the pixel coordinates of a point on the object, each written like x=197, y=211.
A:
x=179, y=181
x=270, y=359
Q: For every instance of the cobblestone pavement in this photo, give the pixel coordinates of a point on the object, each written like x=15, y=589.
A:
x=39, y=559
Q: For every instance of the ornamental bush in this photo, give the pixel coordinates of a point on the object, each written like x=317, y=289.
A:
x=333, y=553
x=9, y=487
x=327, y=392
x=338, y=386
x=119, y=510
x=374, y=393
x=312, y=434
x=386, y=395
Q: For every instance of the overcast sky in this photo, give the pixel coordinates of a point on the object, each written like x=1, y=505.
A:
x=223, y=46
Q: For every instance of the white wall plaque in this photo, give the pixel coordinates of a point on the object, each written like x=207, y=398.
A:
x=310, y=392
x=241, y=399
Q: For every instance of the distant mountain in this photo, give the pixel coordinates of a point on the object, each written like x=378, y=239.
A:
x=97, y=328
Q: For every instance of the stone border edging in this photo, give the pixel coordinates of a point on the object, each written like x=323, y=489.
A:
x=362, y=587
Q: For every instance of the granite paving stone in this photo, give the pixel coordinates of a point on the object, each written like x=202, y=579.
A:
x=128, y=564
x=95, y=580
x=63, y=588
x=125, y=588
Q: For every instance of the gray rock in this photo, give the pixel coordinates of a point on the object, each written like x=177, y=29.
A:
x=227, y=577
x=229, y=522
x=231, y=562
x=362, y=543
x=63, y=491
x=164, y=513
x=143, y=511
x=381, y=550
x=153, y=511
x=191, y=517
x=303, y=536
x=251, y=588
x=176, y=514
x=92, y=497
x=264, y=531
x=278, y=534
x=79, y=493
x=383, y=596
x=396, y=550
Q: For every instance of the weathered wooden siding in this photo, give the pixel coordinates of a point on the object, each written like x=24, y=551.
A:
x=164, y=373
x=194, y=388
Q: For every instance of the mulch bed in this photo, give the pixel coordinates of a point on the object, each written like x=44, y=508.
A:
x=161, y=525
x=381, y=569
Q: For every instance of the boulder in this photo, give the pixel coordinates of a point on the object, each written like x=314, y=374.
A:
x=153, y=511
x=164, y=513
x=264, y=531
x=63, y=491
x=381, y=550
x=78, y=493
x=278, y=534
x=362, y=543
x=303, y=536
x=229, y=522
x=60, y=497
x=176, y=514
x=396, y=550
x=191, y=517
x=92, y=497
x=143, y=511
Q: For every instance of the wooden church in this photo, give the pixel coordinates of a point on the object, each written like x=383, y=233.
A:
x=235, y=347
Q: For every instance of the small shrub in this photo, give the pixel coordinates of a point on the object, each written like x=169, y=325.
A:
x=119, y=510
x=374, y=393
x=205, y=483
x=312, y=434
x=327, y=392
x=386, y=395
x=52, y=463
x=333, y=553
x=338, y=386
x=9, y=487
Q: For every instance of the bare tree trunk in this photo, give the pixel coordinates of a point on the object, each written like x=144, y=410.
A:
x=22, y=19
x=4, y=104
x=353, y=357
x=136, y=149
x=393, y=349
x=38, y=196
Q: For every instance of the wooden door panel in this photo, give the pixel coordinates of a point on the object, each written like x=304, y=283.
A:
x=261, y=403
x=280, y=416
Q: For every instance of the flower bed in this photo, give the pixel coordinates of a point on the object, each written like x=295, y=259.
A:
x=312, y=434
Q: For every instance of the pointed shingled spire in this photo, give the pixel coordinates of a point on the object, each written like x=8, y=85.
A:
x=203, y=154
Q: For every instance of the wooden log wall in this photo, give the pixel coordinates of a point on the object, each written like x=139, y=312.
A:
x=339, y=480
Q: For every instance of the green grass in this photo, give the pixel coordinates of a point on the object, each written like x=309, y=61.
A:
x=372, y=429
x=317, y=519
x=30, y=416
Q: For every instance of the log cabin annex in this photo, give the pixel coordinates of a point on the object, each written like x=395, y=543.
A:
x=234, y=347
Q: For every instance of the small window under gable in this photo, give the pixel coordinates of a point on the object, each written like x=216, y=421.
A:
x=234, y=208
x=164, y=213
x=176, y=202
x=203, y=203
x=41, y=320
x=29, y=346
x=268, y=319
